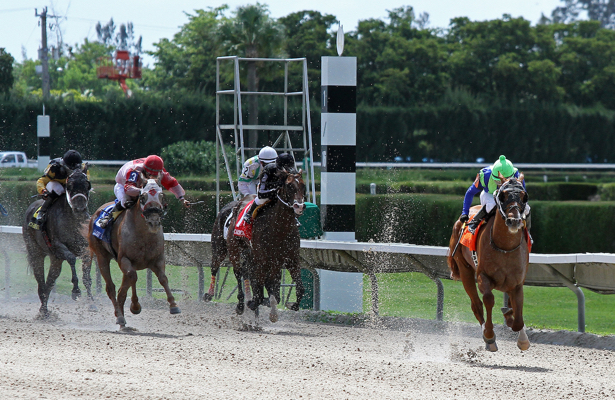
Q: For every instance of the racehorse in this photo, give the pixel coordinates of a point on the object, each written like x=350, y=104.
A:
x=275, y=244
x=137, y=242
x=503, y=257
x=61, y=238
x=219, y=251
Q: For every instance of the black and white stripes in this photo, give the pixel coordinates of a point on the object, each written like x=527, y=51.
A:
x=44, y=140
x=338, y=134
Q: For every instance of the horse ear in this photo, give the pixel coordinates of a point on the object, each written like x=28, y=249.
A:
x=289, y=179
x=85, y=167
x=521, y=177
x=501, y=177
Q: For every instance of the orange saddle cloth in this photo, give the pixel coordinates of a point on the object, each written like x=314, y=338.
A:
x=469, y=240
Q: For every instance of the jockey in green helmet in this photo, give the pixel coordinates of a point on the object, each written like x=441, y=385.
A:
x=486, y=183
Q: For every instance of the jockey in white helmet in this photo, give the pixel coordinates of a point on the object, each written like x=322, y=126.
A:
x=252, y=168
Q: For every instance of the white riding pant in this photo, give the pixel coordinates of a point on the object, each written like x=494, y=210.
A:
x=488, y=200
x=121, y=195
x=55, y=187
x=246, y=188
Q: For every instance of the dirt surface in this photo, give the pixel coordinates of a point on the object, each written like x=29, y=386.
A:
x=208, y=352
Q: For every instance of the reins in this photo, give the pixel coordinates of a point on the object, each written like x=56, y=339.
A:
x=503, y=214
x=495, y=247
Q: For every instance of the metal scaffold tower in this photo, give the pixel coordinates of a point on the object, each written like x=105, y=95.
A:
x=291, y=138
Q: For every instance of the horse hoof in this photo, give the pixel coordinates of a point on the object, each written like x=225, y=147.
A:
x=266, y=301
x=523, y=344
x=121, y=321
x=175, y=310
x=75, y=295
x=492, y=347
x=135, y=309
x=252, y=305
x=292, y=305
x=208, y=297
x=239, y=309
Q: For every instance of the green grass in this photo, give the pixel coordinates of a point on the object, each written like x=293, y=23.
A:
x=413, y=295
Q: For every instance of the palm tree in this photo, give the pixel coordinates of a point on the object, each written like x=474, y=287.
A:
x=253, y=34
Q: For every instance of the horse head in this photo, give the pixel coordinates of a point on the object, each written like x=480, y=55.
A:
x=292, y=191
x=78, y=190
x=151, y=200
x=511, y=200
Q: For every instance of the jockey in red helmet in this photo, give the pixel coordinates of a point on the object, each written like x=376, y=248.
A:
x=133, y=176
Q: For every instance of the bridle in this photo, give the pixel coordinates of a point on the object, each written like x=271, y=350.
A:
x=150, y=196
x=70, y=198
x=513, y=197
x=298, y=204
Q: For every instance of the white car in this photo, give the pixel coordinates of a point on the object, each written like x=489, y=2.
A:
x=13, y=159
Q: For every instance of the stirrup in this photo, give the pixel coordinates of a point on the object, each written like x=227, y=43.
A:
x=105, y=221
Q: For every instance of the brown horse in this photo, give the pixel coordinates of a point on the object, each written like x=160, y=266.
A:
x=219, y=251
x=61, y=239
x=137, y=242
x=275, y=245
x=503, y=257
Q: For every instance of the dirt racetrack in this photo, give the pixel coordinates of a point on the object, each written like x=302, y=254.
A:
x=209, y=353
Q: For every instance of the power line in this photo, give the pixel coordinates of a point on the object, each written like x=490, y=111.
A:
x=135, y=25
x=15, y=9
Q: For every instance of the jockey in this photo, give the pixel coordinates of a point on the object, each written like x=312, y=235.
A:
x=52, y=184
x=129, y=181
x=486, y=183
x=269, y=182
x=252, y=168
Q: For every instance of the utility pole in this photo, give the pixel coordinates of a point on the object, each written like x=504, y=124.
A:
x=43, y=53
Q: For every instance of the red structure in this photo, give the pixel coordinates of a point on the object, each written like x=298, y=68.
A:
x=119, y=68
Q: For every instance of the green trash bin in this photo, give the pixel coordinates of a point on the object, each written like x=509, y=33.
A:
x=310, y=222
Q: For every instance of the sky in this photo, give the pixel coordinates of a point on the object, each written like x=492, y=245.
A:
x=157, y=19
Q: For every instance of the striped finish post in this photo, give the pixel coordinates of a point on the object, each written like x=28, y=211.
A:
x=338, y=133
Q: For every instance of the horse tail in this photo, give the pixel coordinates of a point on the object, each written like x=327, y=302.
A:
x=450, y=260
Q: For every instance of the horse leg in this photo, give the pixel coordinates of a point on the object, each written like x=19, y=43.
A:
x=37, y=264
x=239, y=309
x=484, y=285
x=129, y=278
x=68, y=255
x=516, y=299
x=273, y=289
x=466, y=274
x=105, y=272
x=295, y=274
x=164, y=282
x=135, y=307
x=216, y=260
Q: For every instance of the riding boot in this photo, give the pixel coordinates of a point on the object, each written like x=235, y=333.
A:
x=248, y=215
x=473, y=224
x=40, y=219
x=107, y=219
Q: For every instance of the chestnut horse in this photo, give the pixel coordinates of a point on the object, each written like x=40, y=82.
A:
x=276, y=243
x=219, y=251
x=503, y=257
x=137, y=243
x=61, y=238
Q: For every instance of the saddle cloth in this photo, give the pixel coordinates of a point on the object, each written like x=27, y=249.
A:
x=469, y=240
x=242, y=228
x=32, y=224
x=103, y=234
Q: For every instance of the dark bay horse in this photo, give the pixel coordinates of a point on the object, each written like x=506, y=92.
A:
x=219, y=251
x=137, y=242
x=276, y=244
x=503, y=258
x=61, y=238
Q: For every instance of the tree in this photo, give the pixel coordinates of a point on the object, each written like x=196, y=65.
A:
x=602, y=11
x=251, y=33
x=124, y=39
x=6, y=71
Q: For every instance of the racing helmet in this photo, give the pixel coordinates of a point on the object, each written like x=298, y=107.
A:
x=72, y=159
x=153, y=165
x=267, y=155
x=503, y=166
x=285, y=161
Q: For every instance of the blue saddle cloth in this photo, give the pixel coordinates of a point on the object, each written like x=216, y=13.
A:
x=103, y=234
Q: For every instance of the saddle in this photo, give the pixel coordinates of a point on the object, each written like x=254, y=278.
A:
x=32, y=224
x=101, y=233
x=243, y=228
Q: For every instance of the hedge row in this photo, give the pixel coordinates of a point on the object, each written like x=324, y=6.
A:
x=425, y=219
x=127, y=128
